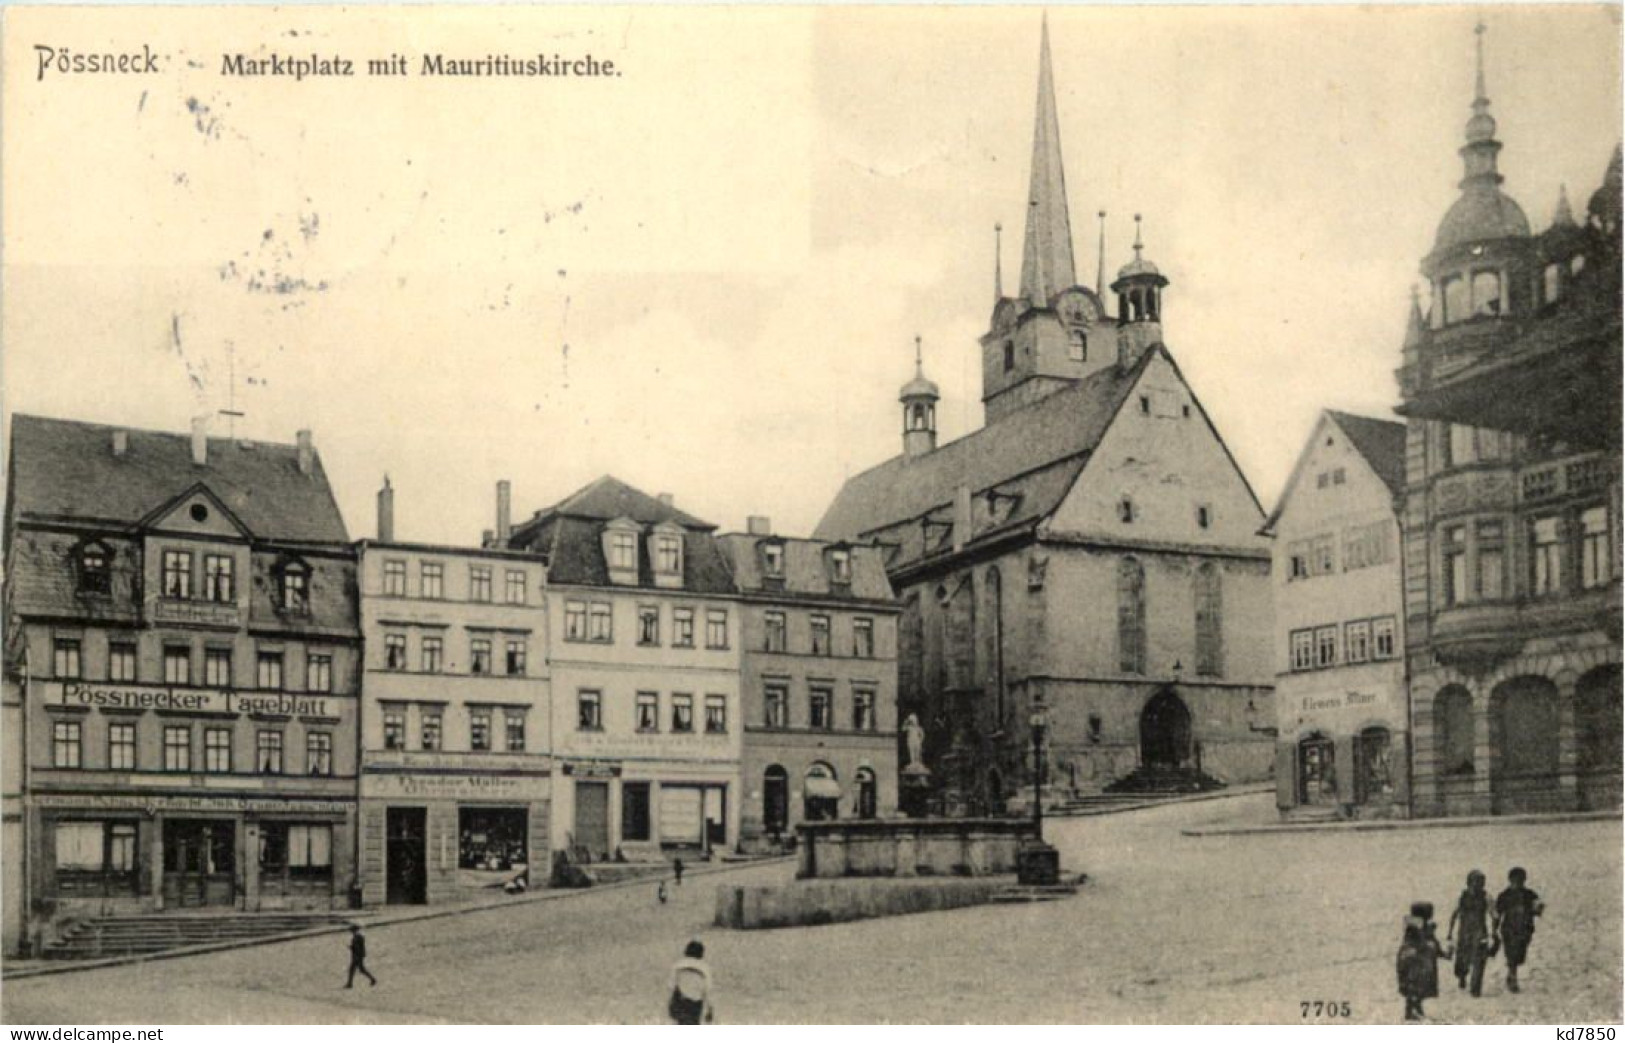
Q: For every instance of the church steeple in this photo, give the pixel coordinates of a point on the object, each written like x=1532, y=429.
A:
x=919, y=397
x=1479, y=154
x=1046, y=257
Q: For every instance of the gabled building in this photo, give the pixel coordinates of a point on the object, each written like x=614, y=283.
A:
x=1092, y=550
x=818, y=688
x=1340, y=697
x=456, y=772
x=182, y=659
x=1510, y=384
x=644, y=643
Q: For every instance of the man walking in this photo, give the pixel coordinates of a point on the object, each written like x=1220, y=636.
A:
x=358, y=957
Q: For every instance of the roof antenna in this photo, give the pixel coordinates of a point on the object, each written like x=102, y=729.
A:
x=998, y=262
x=1138, y=246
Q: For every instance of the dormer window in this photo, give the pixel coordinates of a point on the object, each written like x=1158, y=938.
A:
x=773, y=559
x=295, y=587
x=840, y=565
x=95, y=572
x=623, y=550
x=668, y=553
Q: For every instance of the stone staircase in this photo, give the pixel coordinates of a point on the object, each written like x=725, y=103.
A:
x=1156, y=779
x=130, y=935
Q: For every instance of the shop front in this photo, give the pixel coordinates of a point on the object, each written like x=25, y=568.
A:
x=1345, y=753
x=643, y=810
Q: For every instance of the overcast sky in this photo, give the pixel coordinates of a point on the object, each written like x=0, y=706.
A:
x=705, y=275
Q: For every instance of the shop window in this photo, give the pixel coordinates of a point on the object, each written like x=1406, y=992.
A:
x=492, y=839
x=95, y=574
x=217, y=750
x=318, y=753
x=177, y=574
x=682, y=712
x=429, y=728
x=479, y=583
x=178, y=748
x=479, y=730
x=514, y=729
x=95, y=858
x=635, y=811
x=863, y=638
x=319, y=672
x=863, y=710
x=682, y=628
x=295, y=851
x=268, y=756
x=395, y=578
x=776, y=698
x=65, y=658
x=121, y=746
x=516, y=586
x=1596, y=567
x=648, y=624
x=515, y=657
x=589, y=711
x=716, y=628
x=217, y=667
x=218, y=580
x=1373, y=765
x=648, y=711
x=716, y=714
x=65, y=744
x=121, y=661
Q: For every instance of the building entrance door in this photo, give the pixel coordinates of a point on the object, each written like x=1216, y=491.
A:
x=681, y=809
x=592, y=821
x=1317, y=771
x=405, y=868
x=1165, y=732
x=200, y=863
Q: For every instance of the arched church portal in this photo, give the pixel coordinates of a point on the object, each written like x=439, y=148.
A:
x=1165, y=732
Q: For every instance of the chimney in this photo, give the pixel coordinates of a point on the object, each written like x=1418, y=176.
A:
x=488, y=539
x=504, y=512
x=962, y=517
x=121, y=442
x=759, y=525
x=666, y=499
x=200, y=440
x=386, y=512
x=307, y=452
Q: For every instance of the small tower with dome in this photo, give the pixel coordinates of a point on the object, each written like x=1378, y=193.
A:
x=919, y=398
x=1139, y=288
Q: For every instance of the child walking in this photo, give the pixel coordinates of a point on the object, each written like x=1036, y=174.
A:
x=1471, y=917
x=1417, y=962
x=1515, y=912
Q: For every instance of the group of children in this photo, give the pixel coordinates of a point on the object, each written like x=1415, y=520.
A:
x=1479, y=931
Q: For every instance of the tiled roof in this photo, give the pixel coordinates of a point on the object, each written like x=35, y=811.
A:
x=1033, y=454
x=805, y=570
x=1381, y=442
x=66, y=470
x=609, y=497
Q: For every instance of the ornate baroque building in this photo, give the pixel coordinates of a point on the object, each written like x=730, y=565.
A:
x=1511, y=386
x=1093, y=549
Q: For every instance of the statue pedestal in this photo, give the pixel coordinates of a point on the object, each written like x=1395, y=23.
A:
x=1037, y=864
x=916, y=787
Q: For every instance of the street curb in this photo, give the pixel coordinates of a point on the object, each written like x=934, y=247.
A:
x=369, y=921
x=1247, y=790
x=1376, y=825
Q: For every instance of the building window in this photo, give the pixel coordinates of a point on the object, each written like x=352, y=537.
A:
x=1551, y=283
x=429, y=730
x=1125, y=511
x=1546, y=556
x=648, y=711
x=479, y=583
x=479, y=730
x=1595, y=564
x=394, y=651
x=269, y=673
x=95, y=577
x=431, y=580
x=516, y=586
x=178, y=748
x=177, y=664
x=716, y=714
x=863, y=638
x=1209, y=621
x=575, y=621
x=682, y=628
x=121, y=746
x=1077, y=347
x=65, y=658
x=776, y=701
x=217, y=578
x=479, y=655
x=820, y=635
x=121, y=661
x=1357, y=641
x=648, y=624
x=216, y=750
x=600, y=626
x=515, y=649
x=1382, y=638
x=431, y=654
x=514, y=730
x=1453, y=728
x=1204, y=516
x=318, y=753
x=295, y=588
x=1297, y=560
x=1303, y=649
x=1456, y=590
x=1457, y=299
x=1130, y=616
x=682, y=712
x=65, y=737
x=1367, y=545
x=623, y=551
x=716, y=628
x=395, y=578
x=840, y=566
x=668, y=554
x=775, y=631
x=1486, y=293
x=177, y=574
x=269, y=756
x=217, y=667
x=318, y=672
x=1009, y=355
x=1325, y=646
x=773, y=559
x=395, y=730
x=863, y=710
x=820, y=708
x=589, y=711
x=1322, y=556
x=1490, y=560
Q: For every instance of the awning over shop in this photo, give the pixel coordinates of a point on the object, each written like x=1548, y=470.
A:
x=819, y=787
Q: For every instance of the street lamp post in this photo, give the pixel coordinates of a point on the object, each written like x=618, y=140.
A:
x=1038, y=864
x=1040, y=722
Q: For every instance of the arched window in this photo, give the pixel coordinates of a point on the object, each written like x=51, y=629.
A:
x=995, y=598
x=1131, y=616
x=1077, y=345
x=1453, y=730
x=1551, y=283
x=1457, y=299
x=1209, y=622
x=1153, y=305
x=868, y=793
x=95, y=569
x=820, y=793
x=1487, y=293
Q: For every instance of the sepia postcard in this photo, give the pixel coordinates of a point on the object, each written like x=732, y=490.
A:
x=801, y=515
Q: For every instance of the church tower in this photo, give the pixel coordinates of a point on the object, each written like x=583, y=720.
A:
x=1139, y=304
x=1053, y=332
x=919, y=397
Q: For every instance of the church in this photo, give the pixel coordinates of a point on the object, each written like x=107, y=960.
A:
x=1088, y=563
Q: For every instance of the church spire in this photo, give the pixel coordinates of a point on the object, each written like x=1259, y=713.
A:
x=1478, y=155
x=1046, y=258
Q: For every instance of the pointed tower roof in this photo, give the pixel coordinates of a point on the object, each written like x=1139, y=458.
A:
x=1605, y=204
x=1563, y=216
x=1046, y=257
x=1416, y=326
x=921, y=386
x=1483, y=212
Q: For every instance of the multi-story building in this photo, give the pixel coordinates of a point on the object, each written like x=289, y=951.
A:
x=181, y=666
x=819, y=682
x=644, y=642
x=456, y=784
x=1510, y=385
x=1340, y=699
x=1092, y=550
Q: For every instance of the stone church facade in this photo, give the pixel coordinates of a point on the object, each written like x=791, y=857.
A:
x=1093, y=550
